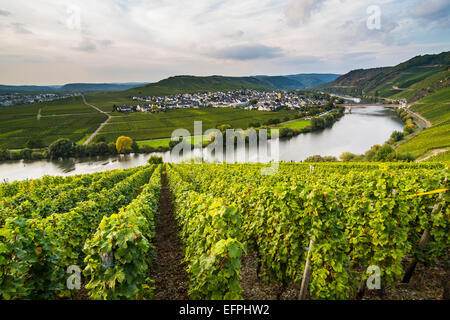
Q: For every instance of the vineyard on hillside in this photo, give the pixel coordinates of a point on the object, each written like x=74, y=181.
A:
x=315, y=227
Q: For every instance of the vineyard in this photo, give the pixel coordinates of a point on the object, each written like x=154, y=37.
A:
x=315, y=228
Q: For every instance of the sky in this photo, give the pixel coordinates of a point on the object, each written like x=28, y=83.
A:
x=45, y=42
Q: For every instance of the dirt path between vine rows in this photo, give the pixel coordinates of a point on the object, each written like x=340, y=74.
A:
x=171, y=280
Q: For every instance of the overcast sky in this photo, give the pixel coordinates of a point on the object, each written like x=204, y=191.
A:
x=61, y=41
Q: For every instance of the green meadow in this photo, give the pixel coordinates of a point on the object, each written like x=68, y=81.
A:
x=146, y=126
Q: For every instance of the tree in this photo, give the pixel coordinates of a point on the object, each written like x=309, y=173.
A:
x=317, y=123
x=155, y=160
x=397, y=136
x=100, y=139
x=61, y=148
x=34, y=143
x=135, y=147
x=347, y=156
x=4, y=154
x=26, y=154
x=408, y=129
x=318, y=158
x=385, y=153
x=123, y=144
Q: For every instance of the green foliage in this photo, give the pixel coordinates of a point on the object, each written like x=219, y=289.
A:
x=357, y=215
x=37, y=263
x=34, y=144
x=155, y=160
x=397, y=136
x=436, y=109
x=318, y=158
x=128, y=236
x=211, y=234
x=61, y=148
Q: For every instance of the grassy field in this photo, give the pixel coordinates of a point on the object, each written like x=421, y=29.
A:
x=297, y=124
x=72, y=105
x=71, y=118
x=165, y=142
x=435, y=108
x=106, y=101
x=66, y=118
x=14, y=133
x=144, y=126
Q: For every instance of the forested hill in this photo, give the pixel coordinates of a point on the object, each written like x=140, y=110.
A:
x=411, y=80
x=187, y=84
x=71, y=87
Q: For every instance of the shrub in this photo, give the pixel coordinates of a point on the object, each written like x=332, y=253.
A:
x=397, y=136
x=347, y=156
x=61, y=148
x=155, y=160
x=123, y=144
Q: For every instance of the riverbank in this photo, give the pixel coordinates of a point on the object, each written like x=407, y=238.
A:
x=360, y=105
x=355, y=133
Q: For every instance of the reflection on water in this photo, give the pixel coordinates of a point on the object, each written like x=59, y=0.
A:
x=355, y=132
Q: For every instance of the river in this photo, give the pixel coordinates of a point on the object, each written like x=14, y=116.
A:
x=355, y=132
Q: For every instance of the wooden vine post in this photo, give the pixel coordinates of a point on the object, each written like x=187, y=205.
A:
x=422, y=244
x=306, y=273
x=107, y=259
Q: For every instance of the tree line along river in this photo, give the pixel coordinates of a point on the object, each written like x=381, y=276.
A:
x=355, y=132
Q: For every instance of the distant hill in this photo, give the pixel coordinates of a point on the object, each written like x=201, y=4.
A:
x=180, y=84
x=6, y=88
x=90, y=87
x=83, y=87
x=296, y=81
x=187, y=84
x=411, y=80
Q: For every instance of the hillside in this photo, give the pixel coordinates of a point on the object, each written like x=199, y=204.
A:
x=78, y=87
x=189, y=84
x=410, y=80
x=178, y=84
x=297, y=81
x=435, y=108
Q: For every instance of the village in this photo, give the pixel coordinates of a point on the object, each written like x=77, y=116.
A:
x=13, y=99
x=245, y=99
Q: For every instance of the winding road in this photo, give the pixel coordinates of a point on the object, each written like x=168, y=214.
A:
x=101, y=126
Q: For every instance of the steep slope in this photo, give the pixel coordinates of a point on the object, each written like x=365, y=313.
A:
x=71, y=87
x=187, y=84
x=435, y=108
x=411, y=80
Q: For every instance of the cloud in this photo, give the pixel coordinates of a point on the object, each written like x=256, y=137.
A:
x=235, y=35
x=433, y=11
x=359, y=32
x=362, y=55
x=86, y=45
x=20, y=28
x=298, y=60
x=248, y=52
x=104, y=43
x=299, y=12
x=89, y=45
x=4, y=13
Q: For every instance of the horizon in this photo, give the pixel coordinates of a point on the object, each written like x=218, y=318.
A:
x=75, y=41
x=177, y=75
